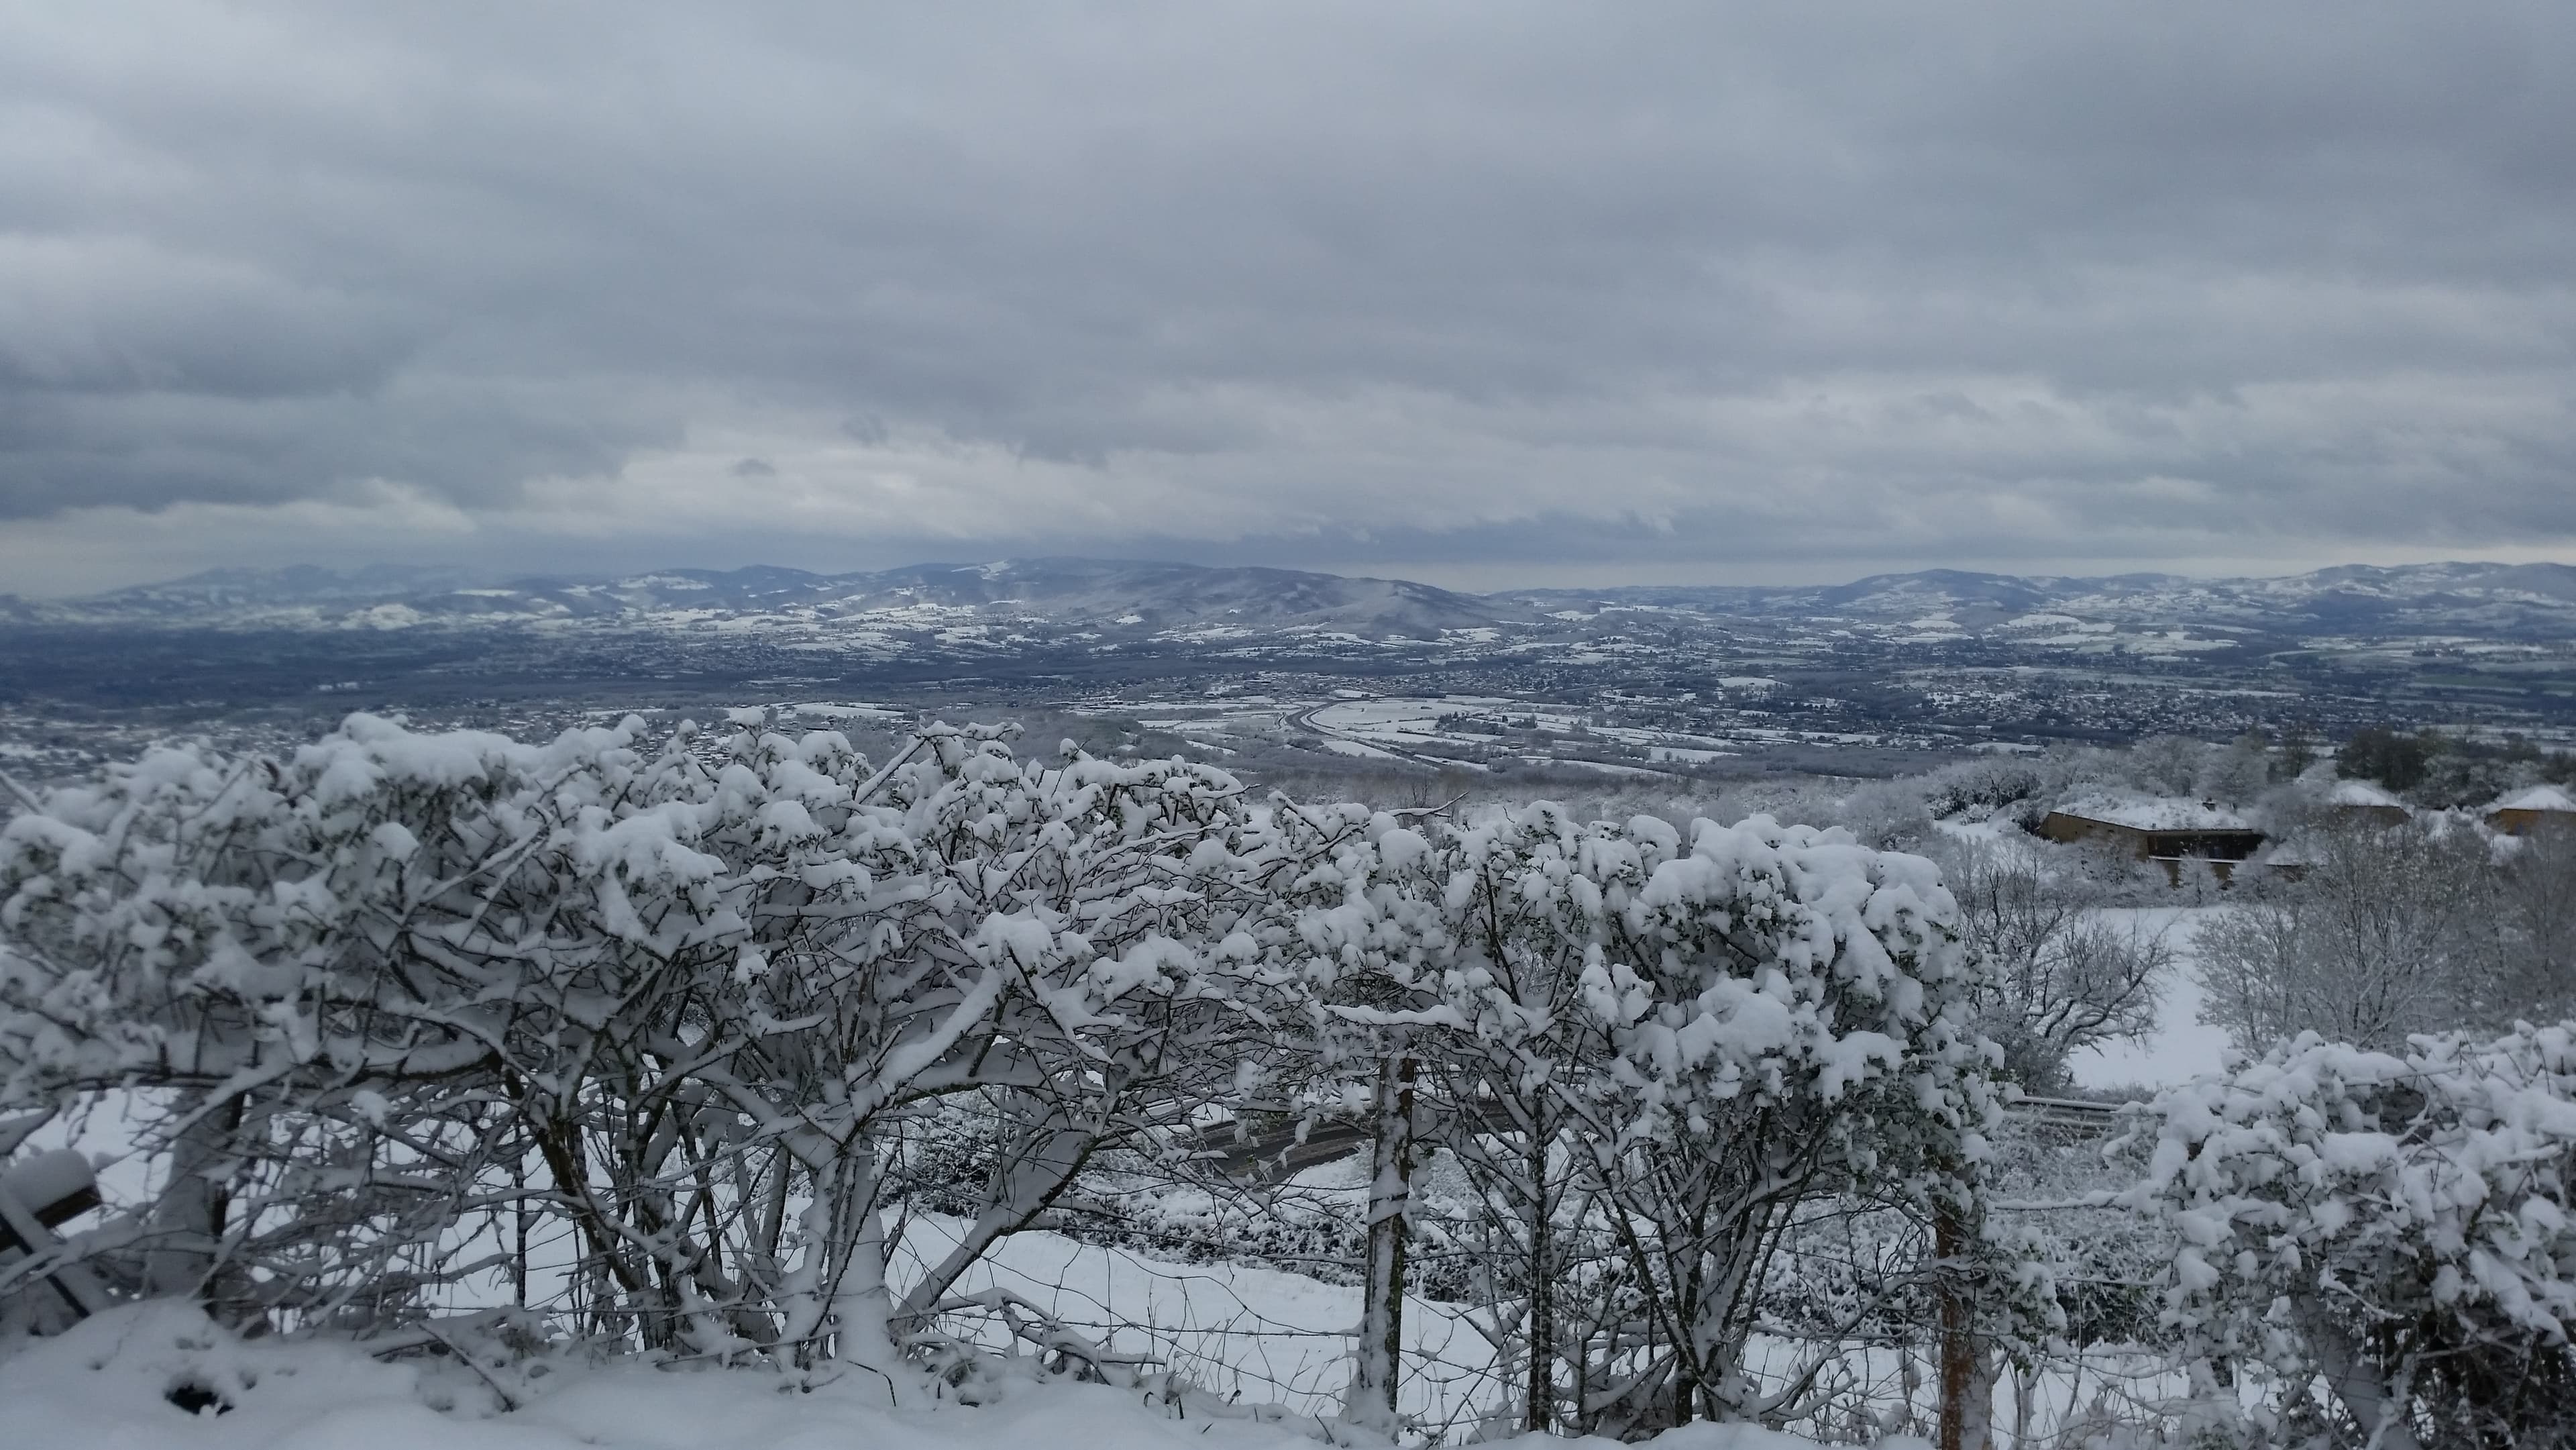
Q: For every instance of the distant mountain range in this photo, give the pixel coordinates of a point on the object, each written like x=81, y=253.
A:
x=2484, y=598
x=1120, y=597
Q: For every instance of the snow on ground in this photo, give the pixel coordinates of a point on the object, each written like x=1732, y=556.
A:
x=105, y=1386
x=2182, y=1046
x=1254, y=1334
x=1353, y=747
x=1598, y=767
x=1687, y=755
x=853, y=710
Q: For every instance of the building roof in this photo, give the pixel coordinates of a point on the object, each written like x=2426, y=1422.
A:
x=2537, y=798
x=2361, y=793
x=2155, y=813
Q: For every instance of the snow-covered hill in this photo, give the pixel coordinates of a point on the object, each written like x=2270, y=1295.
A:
x=2468, y=598
x=1111, y=594
x=2472, y=599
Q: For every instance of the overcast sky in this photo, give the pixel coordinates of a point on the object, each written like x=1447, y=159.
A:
x=1476, y=292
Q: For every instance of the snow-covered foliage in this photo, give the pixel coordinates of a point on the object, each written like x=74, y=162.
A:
x=381, y=985
x=1649, y=1055
x=642, y=1037
x=2392, y=1228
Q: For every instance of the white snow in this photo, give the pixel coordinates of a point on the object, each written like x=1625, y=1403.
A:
x=852, y=711
x=2182, y=1047
x=2537, y=798
x=2154, y=813
x=104, y=1386
x=2361, y=793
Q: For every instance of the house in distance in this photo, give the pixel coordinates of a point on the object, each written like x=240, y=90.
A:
x=2165, y=830
x=2360, y=803
x=2527, y=811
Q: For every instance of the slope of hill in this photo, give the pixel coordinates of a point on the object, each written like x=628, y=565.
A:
x=1112, y=594
x=2515, y=600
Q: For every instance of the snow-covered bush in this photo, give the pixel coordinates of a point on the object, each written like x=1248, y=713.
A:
x=1992, y=784
x=397, y=985
x=2380, y=1243
x=692, y=1013
x=1650, y=1056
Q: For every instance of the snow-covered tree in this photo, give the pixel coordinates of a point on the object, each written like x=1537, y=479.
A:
x=2059, y=976
x=2378, y=1247
x=2168, y=764
x=1672, y=1048
x=2384, y=933
x=649, y=1032
x=658, y=991
x=2238, y=774
x=2535, y=922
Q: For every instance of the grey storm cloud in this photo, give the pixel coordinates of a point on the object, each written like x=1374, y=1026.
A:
x=1710, y=277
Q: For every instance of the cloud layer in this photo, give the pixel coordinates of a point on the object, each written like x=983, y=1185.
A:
x=1455, y=284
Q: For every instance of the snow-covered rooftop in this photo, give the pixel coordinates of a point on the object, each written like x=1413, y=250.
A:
x=2361, y=793
x=2537, y=798
x=2155, y=813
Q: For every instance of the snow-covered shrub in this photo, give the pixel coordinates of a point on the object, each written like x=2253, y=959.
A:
x=396, y=985
x=1980, y=788
x=1650, y=1055
x=1884, y=815
x=692, y=1013
x=2391, y=1229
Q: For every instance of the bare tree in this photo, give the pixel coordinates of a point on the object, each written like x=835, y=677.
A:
x=2383, y=933
x=2060, y=977
x=2168, y=764
x=2535, y=921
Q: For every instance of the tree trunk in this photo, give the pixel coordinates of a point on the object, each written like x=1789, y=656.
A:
x=2380, y=1409
x=1967, y=1376
x=187, y=1223
x=1375, y=1366
x=862, y=1306
x=1538, y=1405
